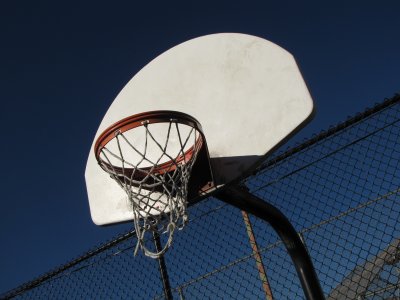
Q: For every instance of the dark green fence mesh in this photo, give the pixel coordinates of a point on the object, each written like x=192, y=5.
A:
x=341, y=192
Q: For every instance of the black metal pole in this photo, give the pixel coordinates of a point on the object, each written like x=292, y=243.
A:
x=239, y=197
x=163, y=268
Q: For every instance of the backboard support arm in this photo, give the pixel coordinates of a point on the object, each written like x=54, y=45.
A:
x=240, y=197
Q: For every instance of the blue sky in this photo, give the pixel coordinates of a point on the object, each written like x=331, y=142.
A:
x=62, y=64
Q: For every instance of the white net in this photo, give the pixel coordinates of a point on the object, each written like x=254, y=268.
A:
x=152, y=163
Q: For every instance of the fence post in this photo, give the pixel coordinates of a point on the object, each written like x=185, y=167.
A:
x=257, y=256
x=163, y=268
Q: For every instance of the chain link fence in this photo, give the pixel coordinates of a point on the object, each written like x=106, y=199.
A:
x=339, y=189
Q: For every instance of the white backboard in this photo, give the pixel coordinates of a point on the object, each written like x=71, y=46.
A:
x=247, y=93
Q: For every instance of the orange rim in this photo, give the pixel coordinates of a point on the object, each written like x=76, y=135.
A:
x=142, y=119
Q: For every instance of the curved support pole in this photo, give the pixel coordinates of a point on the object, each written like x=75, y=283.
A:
x=239, y=197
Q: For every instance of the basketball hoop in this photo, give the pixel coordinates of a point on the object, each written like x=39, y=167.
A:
x=151, y=155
